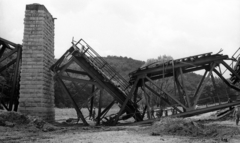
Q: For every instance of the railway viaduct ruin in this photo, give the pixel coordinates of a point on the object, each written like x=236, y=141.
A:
x=29, y=70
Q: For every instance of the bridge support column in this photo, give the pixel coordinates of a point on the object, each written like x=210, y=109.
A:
x=36, y=83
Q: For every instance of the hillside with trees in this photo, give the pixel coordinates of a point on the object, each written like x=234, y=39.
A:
x=125, y=65
x=210, y=95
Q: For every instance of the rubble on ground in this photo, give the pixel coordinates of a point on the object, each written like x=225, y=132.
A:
x=224, y=114
x=188, y=127
x=12, y=119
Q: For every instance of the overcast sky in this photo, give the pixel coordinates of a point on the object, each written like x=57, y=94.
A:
x=140, y=29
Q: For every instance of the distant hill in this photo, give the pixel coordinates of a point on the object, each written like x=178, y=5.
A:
x=124, y=65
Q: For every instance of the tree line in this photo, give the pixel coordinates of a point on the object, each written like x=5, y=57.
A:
x=125, y=65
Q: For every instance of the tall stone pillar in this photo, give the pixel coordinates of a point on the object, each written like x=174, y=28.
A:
x=36, y=83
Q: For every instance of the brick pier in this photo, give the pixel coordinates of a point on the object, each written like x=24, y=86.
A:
x=36, y=83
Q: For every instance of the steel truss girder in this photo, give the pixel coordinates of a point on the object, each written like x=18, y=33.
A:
x=194, y=112
x=87, y=59
x=159, y=70
x=9, y=50
x=209, y=63
x=98, y=79
x=110, y=88
x=168, y=94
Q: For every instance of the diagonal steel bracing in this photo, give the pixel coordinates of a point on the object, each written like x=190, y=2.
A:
x=10, y=59
x=125, y=93
x=100, y=74
x=176, y=69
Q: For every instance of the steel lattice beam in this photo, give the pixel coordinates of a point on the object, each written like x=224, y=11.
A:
x=10, y=58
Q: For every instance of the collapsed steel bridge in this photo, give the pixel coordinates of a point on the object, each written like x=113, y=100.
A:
x=183, y=103
x=94, y=71
x=10, y=59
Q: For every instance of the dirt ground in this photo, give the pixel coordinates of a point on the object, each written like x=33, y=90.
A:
x=76, y=133
x=80, y=134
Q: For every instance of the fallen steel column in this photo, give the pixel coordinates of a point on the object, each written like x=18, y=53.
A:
x=79, y=113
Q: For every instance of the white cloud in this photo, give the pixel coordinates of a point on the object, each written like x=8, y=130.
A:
x=138, y=29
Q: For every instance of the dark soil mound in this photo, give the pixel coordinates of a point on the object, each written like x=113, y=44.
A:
x=187, y=127
x=11, y=119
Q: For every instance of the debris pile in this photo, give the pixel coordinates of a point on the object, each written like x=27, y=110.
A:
x=188, y=127
x=179, y=126
x=224, y=115
x=12, y=119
